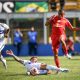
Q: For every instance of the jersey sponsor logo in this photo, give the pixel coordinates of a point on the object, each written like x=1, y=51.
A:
x=59, y=21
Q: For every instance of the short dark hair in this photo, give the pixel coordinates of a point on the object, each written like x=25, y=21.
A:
x=60, y=11
x=32, y=57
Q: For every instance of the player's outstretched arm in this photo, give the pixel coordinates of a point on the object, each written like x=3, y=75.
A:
x=76, y=29
x=71, y=27
x=47, y=23
x=10, y=52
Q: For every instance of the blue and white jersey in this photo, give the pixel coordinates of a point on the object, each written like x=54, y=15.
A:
x=32, y=36
x=3, y=27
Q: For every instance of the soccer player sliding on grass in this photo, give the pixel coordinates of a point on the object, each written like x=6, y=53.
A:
x=34, y=67
x=59, y=23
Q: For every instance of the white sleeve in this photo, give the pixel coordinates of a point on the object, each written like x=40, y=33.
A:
x=24, y=62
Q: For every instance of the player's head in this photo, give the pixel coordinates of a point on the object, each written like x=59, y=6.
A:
x=32, y=28
x=17, y=29
x=61, y=13
x=33, y=59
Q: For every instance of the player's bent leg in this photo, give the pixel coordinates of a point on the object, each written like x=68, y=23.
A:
x=48, y=67
x=53, y=68
x=34, y=71
x=3, y=61
x=2, y=44
x=65, y=49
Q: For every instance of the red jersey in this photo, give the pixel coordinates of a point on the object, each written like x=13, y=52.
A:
x=58, y=25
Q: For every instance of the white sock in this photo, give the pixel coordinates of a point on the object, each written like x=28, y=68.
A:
x=50, y=67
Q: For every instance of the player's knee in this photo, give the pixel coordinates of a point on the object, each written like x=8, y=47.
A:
x=55, y=51
x=55, y=55
x=34, y=71
x=43, y=66
x=63, y=43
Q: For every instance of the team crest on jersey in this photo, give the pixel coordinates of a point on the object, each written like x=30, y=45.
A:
x=59, y=21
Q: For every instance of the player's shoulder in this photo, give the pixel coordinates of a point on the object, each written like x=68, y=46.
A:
x=25, y=61
x=65, y=19
x=4, y=25
x=53, y=16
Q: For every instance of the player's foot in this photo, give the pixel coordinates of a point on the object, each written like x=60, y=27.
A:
x=68, y=56
x=64, y=70
x=4, y=63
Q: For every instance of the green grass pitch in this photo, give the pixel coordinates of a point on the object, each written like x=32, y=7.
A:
x=16, y=71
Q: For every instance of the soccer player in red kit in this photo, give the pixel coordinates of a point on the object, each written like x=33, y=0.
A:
x=59, y=23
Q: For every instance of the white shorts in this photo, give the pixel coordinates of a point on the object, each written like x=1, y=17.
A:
x=2, y=44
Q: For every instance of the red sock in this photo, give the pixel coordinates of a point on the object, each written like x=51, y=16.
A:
x=65, y=50
x=57, y=62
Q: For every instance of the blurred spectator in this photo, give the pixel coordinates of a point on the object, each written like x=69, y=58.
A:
x=32, y=42
x=18, y=40
x=78, y=39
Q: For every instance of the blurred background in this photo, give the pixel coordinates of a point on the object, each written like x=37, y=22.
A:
x=24, y=14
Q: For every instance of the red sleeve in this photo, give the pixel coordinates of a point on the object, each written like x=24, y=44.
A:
x=68, y=24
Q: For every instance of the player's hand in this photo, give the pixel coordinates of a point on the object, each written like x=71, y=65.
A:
x=9, y=52
x=76, y=28
x=47, y=24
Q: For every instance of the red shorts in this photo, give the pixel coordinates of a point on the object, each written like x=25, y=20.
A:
x=56, y=40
